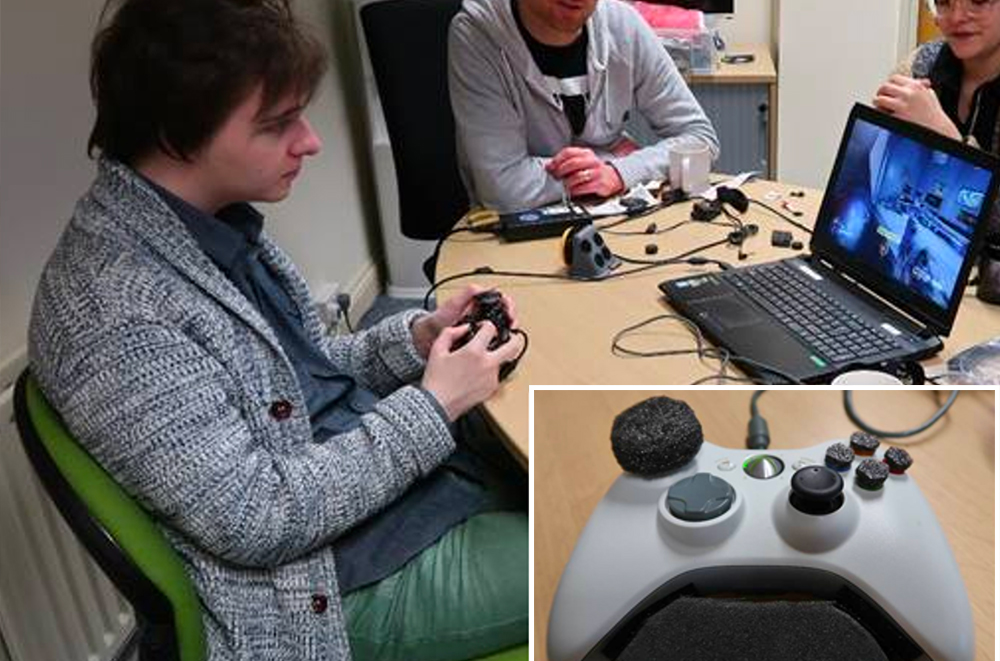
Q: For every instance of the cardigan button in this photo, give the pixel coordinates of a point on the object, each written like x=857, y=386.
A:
x=281, y=409
x=319, y=602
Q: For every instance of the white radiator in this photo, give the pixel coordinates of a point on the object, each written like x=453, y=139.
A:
x=55, y=603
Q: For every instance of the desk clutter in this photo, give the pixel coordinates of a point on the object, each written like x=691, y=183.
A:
x=887, y=267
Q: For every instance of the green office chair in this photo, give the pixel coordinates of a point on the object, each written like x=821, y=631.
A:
x=121, y=537
x=117, y=533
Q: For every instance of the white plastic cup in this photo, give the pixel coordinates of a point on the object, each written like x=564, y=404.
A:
x=866, y=378
x=690, y=166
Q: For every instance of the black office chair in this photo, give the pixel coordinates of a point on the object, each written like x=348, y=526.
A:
x=408, y=48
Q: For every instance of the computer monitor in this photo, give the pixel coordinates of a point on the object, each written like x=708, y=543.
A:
x=707, y=6
x=904, y=212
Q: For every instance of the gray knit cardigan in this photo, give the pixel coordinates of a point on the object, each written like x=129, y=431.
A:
x=169, y=377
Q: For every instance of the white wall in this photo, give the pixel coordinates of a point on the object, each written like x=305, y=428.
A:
x=45, y=118
x=820, y=75
x=751, y=24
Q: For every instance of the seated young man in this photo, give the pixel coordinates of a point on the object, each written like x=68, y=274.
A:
x=541, y=91
x=312, y=484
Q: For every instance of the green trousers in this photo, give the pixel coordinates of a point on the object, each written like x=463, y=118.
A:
x=464, y=597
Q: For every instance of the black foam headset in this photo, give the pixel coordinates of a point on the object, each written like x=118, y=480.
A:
x=734, y=197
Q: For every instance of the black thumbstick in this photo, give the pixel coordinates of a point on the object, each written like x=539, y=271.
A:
x=817, y=490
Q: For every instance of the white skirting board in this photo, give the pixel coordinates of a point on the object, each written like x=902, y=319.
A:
x=55, y=604
x=363, y=290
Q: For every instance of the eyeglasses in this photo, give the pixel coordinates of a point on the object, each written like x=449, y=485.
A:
x=972, y=7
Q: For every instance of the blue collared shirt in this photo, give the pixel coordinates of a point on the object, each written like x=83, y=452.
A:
x=446, y=497
x=335, y=401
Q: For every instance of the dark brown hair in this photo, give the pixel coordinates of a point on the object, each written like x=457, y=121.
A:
x=165, y=74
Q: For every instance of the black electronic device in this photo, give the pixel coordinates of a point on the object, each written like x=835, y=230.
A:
x=486, y=306
x=489, y=306
x=781, y=238
x=537, y=223
x=887, y=271
x=707, y=6
x=586, y=254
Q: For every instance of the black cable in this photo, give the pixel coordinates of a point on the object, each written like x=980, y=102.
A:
x=488, y=270
x=440, y=242
x=703, y=352
x=853, y=415
x=787, y=219
x=666, y=261
x=669, y=228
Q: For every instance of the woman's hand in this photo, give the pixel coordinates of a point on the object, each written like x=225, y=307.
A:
x=913, y=100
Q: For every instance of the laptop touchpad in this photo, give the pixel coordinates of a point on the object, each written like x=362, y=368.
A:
x=728, y=312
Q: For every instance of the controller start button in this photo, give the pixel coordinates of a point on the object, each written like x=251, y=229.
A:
x=763, y=466
x=701, y=497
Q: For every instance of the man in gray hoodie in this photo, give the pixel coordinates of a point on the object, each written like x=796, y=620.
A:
x=541, y=91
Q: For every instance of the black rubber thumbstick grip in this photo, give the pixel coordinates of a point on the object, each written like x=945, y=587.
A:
x=863, y=443
x=655, y=436
x=871, y=474
x=817, y=490
x=898, y=460
x=839, y=456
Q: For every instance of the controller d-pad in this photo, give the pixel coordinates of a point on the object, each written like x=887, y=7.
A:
x=701, y=497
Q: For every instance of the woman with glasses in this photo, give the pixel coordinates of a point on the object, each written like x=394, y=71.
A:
x=953, y=87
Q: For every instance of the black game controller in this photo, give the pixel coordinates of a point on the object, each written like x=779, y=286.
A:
x=488, y=306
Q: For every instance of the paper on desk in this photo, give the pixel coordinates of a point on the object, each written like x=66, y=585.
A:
x=735, y=182
x=613, y=206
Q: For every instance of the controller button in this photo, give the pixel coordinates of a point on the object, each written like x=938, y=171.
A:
x=871, y=474
x=701, y=497
x=839, y=457
x=863, y=444
x=802, y=463
x=817, y=490
x=898, y=460
x=763, y=466
x=726, y=465
x=585, y=246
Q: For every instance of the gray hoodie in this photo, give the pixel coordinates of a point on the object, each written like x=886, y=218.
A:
x=509, y=123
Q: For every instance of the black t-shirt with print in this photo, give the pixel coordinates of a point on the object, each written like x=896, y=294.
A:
x=566, y=67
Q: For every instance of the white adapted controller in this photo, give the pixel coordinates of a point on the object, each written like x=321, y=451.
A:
x=883, y=544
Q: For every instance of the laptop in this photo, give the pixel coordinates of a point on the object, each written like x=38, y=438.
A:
x=901, y=223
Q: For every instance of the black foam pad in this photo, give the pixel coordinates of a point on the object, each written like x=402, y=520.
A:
x=655, y=436
x=711, y=629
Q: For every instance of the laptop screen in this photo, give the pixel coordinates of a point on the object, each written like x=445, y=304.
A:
x=904, y=212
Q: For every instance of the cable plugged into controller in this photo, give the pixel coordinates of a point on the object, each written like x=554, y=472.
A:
x=758, y=436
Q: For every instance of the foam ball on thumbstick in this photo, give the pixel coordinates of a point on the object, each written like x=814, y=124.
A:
x=655, y=436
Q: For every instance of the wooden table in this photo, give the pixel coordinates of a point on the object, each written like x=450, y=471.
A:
x=571, y=324
x=953, y=464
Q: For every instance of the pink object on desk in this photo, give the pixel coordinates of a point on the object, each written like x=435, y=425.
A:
x=666, y=16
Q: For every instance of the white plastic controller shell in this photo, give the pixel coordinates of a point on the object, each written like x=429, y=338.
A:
x=887, y=543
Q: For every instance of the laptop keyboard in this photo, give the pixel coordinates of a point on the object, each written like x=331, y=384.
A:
x=836, y=333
